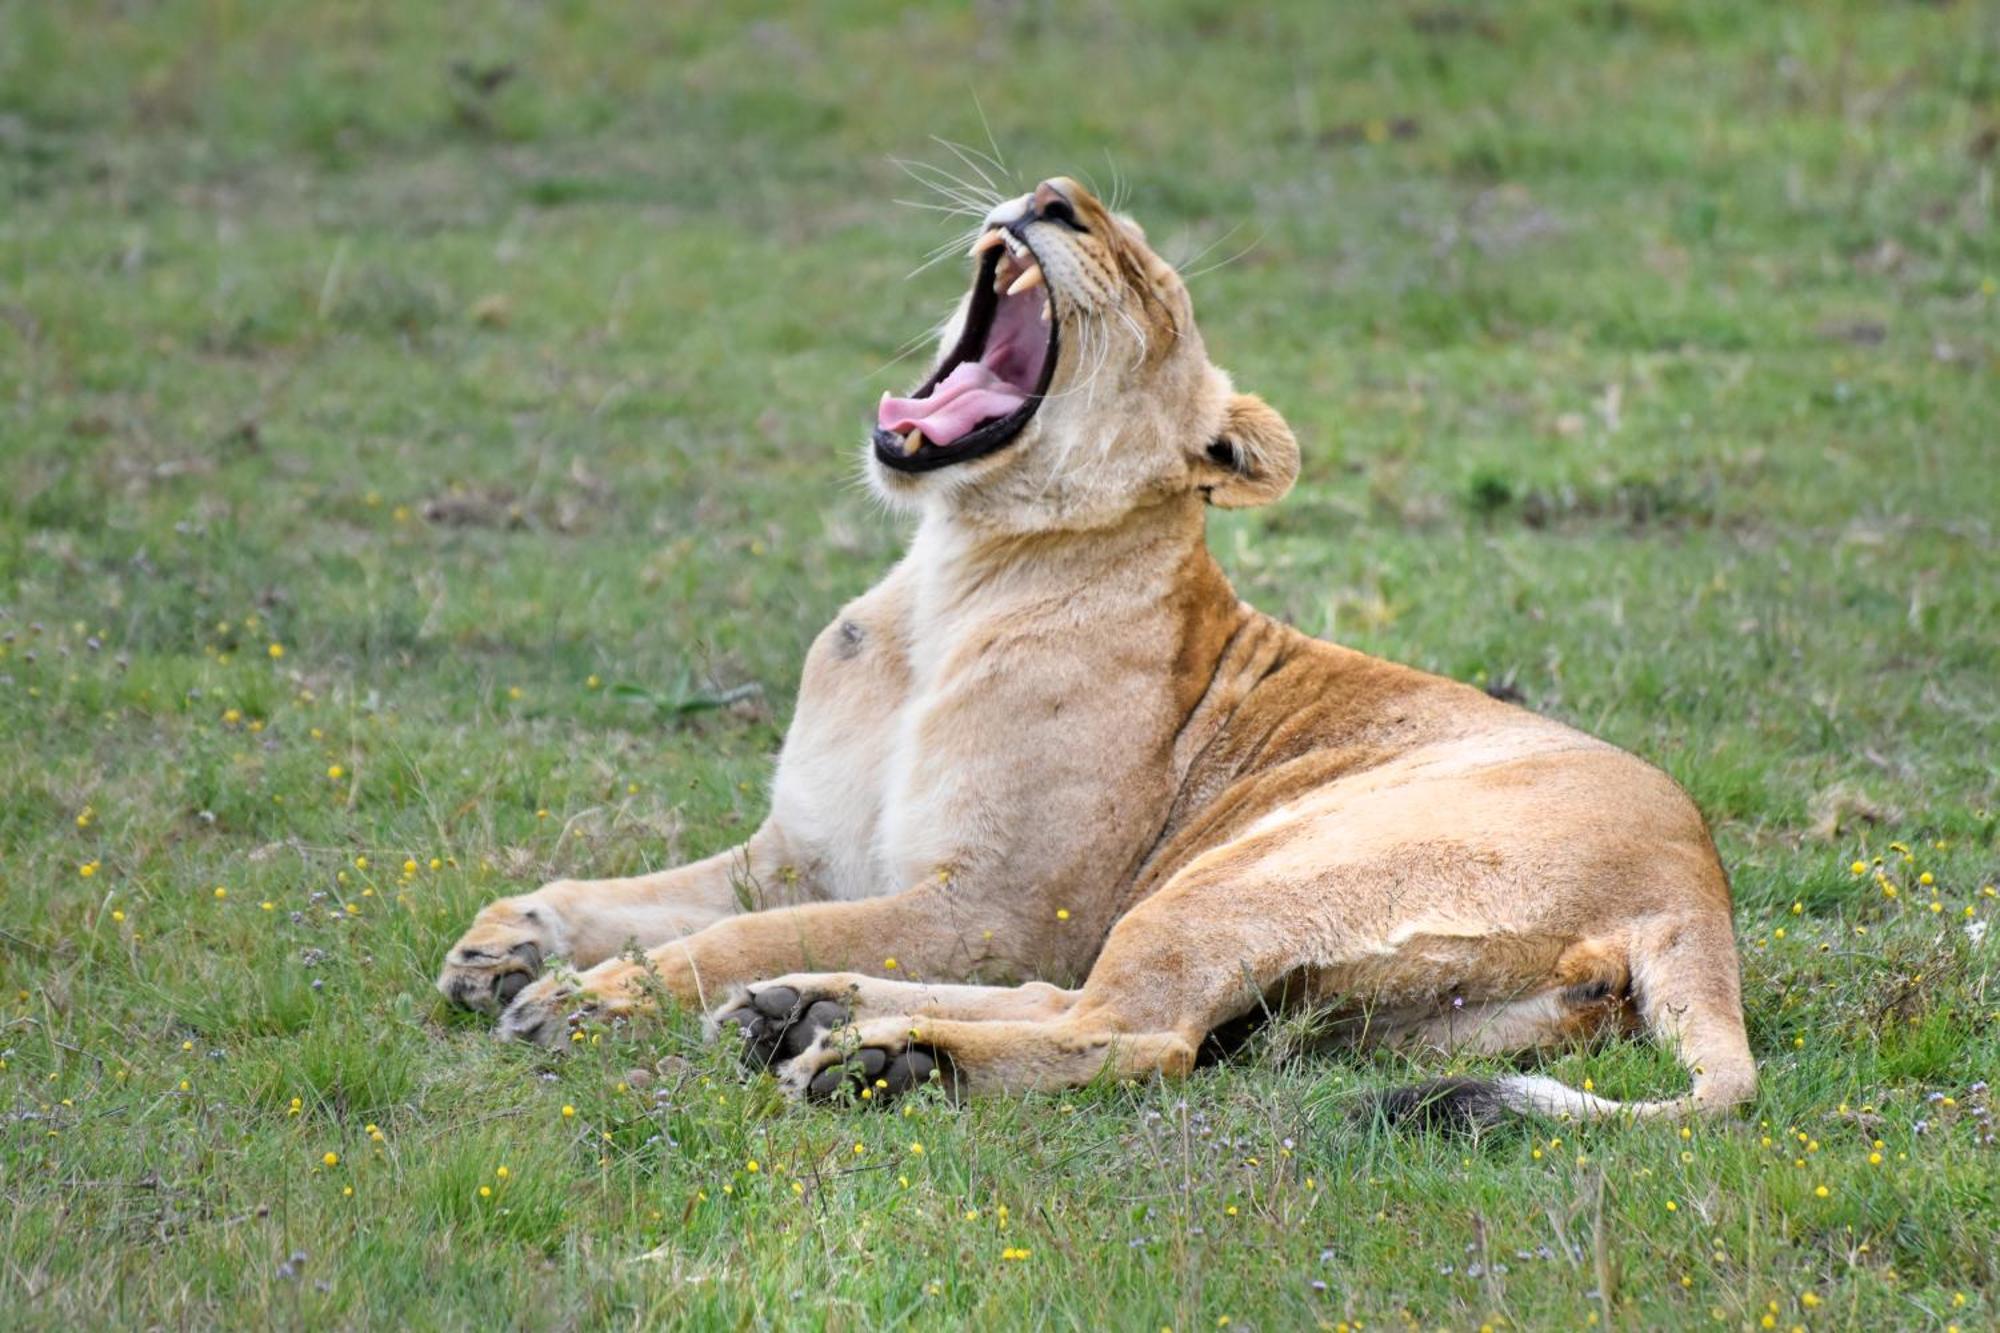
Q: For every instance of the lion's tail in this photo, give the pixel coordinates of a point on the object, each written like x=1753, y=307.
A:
x=1463, y=1103
x=1684, y=981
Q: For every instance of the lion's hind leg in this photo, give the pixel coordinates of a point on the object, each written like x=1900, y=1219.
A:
x=1548, y=1019
x=1585, y=995
x=1684, y=993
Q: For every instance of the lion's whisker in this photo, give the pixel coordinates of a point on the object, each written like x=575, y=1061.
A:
x=972, y=205
x=1183, y=264
x=1202, y=272
x=948, y=185
x=938, y=254
x=909, y=347
x=1138, y=334
x=977, y=169
x=997, y=158
x=1118, y=183
x=949, y=210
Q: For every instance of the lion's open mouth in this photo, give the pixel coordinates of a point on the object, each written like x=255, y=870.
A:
x=986, y=389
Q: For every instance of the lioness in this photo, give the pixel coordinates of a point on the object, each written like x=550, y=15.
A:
x=1056, y=804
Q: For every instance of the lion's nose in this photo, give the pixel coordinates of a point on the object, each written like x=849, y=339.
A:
x=1054, y=202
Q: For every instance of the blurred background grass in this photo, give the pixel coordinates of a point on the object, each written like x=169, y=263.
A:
x=490, y=358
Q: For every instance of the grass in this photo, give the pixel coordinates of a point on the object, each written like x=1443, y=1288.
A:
x=509, y=376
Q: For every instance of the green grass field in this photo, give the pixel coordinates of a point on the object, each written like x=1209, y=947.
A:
x=413, y=417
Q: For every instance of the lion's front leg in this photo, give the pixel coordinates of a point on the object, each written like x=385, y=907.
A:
x=589, y=921
x=914, y=933
x=885, y=1057
x=779, y=1018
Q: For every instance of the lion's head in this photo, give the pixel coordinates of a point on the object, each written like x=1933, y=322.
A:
x=1073, y=385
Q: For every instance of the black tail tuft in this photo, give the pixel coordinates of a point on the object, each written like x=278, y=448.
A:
x=1445, y=1103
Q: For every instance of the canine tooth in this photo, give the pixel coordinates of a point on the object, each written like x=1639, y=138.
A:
x=1031, y=278
x=912, y=442
x=987, y=241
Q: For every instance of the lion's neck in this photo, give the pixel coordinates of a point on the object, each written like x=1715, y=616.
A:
x=1139, y=607
x=960, y=564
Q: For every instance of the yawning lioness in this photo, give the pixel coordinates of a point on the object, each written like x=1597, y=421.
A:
x=1056, y=804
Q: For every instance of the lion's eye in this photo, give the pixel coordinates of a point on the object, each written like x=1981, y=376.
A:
x=1059, y=210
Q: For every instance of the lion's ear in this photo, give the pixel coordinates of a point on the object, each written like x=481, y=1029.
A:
x=1253, y=460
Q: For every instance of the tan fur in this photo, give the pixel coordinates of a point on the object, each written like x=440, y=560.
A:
x=1059, y=803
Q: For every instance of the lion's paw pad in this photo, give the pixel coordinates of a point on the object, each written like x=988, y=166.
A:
x=777, y=1023
x=876, y=1075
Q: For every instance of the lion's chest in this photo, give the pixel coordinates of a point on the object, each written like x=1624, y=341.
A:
x=913, y=732
x=862, y=785
x=830, y=788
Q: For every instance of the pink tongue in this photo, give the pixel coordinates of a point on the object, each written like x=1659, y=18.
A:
x=969, y=395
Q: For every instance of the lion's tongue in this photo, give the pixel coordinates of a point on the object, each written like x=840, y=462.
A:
x=972, y=393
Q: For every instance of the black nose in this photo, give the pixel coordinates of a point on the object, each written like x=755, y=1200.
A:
x=1052, y=205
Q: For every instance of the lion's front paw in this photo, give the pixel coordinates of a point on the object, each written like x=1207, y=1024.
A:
x=564, y=1000
x=874, y=1062
x=487, y=974
x=543, y=1010
x=779, y=1019
x=502, y=952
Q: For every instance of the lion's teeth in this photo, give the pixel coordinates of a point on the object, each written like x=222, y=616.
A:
x=912, y=442
x=986, y=241
x=1030, y=279
x=1047, y=306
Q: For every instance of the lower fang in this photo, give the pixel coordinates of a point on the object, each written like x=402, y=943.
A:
x=912, y=442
